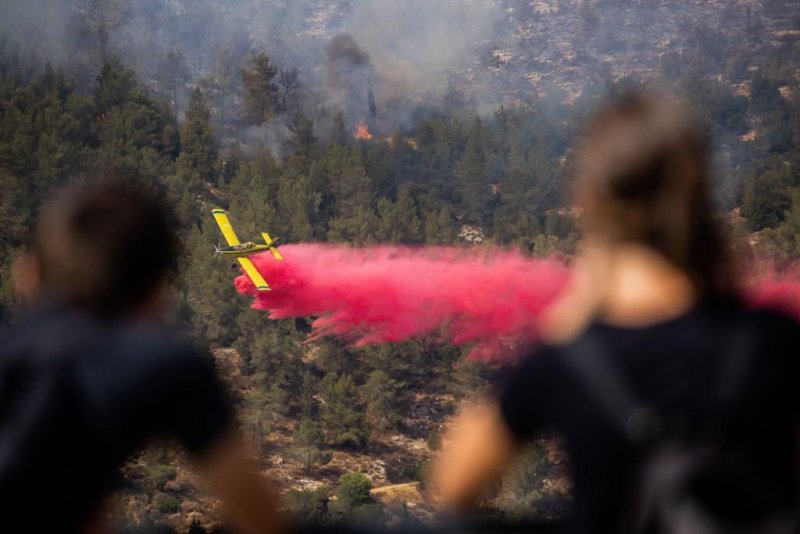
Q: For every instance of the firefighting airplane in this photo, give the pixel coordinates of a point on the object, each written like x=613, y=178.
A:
x=241, y=250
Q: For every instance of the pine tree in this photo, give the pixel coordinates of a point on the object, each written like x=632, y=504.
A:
x=526, y=229
x=766, y=198
x=197, y=163
x=389, y=230
x=384, y=164
x=59, y=130
x=383, y=396
x=309, y=440
x=260, y=92
x=257, y=420
x=290, y=88
x=221, y=84
x=440, y=227
x=342, y=415
x=113, y=87
x=408, y=217
x=359, y=227
x=302, y=128
x=307, y=400
x=473, y=184
x=341, y=174
x=340, y=135
x=783, y=242
x=173, y=75
x=214, y=303
x=298, y=208
x=135, y=133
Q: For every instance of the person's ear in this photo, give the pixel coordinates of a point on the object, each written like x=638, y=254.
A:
x=26, y=277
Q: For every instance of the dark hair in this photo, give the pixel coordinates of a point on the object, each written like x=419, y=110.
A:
x=644, y=178
x=104, y=247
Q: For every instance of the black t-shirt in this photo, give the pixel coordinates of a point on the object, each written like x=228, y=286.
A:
x=673, y=367
x=78, y=395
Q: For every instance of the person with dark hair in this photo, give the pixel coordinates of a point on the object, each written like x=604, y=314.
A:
x=92, y=374
x=676, y=403
x=104, y=249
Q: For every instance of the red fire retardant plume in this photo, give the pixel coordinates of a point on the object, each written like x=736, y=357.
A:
x=484, y=297
x=779, y=291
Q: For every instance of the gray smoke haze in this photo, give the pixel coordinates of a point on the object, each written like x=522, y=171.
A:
x=45, y=19
x=410, y=53
x=413, y=46
x=418, y=45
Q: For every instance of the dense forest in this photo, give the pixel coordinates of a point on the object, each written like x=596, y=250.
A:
x=251, y=138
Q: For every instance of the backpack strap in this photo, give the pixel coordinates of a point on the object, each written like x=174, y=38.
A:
x=588, y=358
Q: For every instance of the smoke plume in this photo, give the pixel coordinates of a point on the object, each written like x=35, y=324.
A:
x=348, y=77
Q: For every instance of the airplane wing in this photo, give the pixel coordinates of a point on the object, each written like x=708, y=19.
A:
x=225, y=225
x=272, y=248
x=254, y=275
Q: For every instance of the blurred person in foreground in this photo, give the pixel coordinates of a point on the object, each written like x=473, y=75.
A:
x=93, y=374
x=677, y=405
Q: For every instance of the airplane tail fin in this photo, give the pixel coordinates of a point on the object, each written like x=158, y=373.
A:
x=272, y=244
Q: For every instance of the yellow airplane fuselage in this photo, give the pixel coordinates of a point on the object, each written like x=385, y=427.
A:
x=243, y=249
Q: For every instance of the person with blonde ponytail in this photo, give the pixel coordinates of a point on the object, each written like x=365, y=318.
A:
x=678, y=407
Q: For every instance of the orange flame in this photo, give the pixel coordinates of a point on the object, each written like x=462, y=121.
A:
x=362, y=131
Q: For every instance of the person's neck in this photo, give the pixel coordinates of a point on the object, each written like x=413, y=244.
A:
x=624, y=285
x=637, y=286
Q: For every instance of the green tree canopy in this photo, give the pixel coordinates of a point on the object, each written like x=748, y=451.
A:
x=261, y=94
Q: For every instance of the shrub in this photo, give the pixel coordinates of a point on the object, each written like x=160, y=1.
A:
x=310, y=506
x=353, y=489
x=167, y=504
x=766, y=199
x=434, y=440
x=423, y=473
x=161, y=474
x=157, y=476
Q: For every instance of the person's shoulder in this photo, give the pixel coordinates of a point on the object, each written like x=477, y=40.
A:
x=44, y=333
x=160, y=365
x=525, y=397
x=157, y=346
x=145, y=336
x=538, y=361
